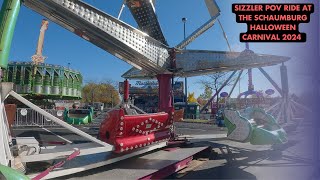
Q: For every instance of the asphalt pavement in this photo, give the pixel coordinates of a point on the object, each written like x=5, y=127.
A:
x=232, y=160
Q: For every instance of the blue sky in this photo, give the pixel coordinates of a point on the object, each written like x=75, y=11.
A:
x=63, y=47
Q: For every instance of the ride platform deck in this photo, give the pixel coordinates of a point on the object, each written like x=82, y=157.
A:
x=147, y=163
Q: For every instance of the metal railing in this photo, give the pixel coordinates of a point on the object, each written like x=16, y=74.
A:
x=27, y=117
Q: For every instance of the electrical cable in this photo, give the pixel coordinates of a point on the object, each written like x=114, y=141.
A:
x=225, y=35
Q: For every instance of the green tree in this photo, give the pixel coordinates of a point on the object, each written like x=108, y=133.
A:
x=104, y=92
x=207, y=94
x=214, y=82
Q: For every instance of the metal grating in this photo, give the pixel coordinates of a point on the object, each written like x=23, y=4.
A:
x=143, y=12
x=105, y=31
x=196, y=62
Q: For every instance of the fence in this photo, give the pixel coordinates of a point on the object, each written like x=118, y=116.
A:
x=27, y=117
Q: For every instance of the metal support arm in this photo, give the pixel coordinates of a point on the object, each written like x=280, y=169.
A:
x=58, y=121
x=235, y=83
x=275, y=85
x=116, y=37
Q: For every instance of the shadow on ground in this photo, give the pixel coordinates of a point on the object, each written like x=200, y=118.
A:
x=230, y=162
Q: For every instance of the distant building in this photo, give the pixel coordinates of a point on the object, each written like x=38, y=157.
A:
x=144, y=94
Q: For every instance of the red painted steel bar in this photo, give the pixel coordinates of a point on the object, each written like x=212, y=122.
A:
x=126, y=91
x=165, y=92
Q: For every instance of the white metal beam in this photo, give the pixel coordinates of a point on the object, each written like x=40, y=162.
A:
x=60, y=122
x=5, y=137
x=5, y=154
x=58, y=155
x=213, y=8
x=198, y=32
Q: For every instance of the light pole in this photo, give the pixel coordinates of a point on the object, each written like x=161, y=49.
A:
x=184, y=20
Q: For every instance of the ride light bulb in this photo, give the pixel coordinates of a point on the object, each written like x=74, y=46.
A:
x=121, y=128
x=133, y=129
x=121, y=144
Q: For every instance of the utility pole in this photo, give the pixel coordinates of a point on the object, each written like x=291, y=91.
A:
x=184, y=20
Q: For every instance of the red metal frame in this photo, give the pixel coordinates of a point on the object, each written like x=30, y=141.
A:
x=165, y=92
x=128, y=132
x=126, y=91
x=167, y=171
